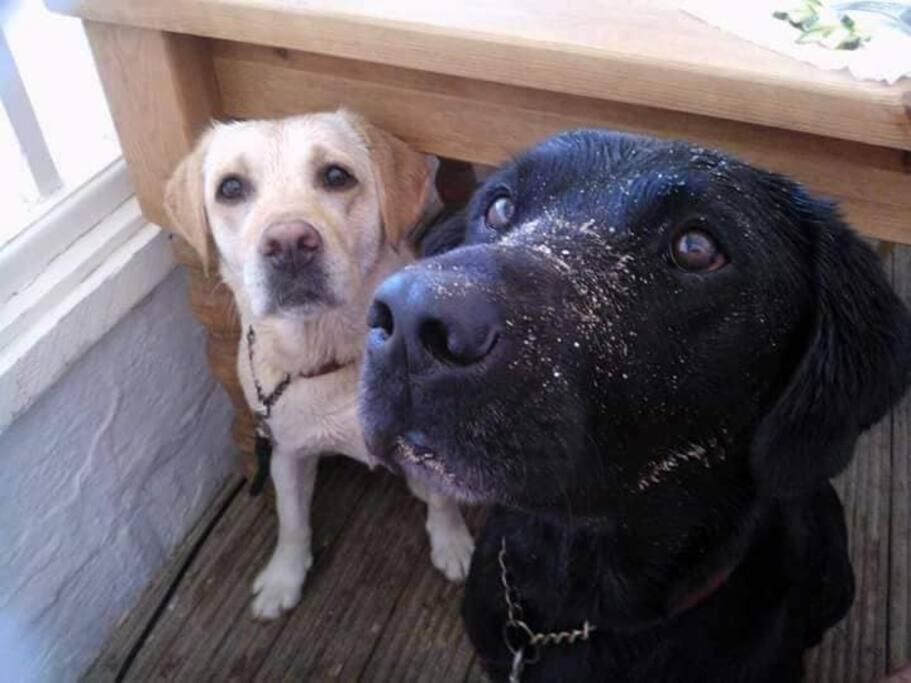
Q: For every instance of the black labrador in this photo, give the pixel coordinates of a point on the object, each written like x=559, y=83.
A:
x=650, y=358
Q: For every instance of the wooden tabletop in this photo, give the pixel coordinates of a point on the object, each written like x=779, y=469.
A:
x=639, y=51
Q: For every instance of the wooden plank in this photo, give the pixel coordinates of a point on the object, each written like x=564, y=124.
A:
x=880, y=221
x=217, y=596
x=870, y=535
x=900, y=513
x=373, y=607
x=856, y=648
x=229, y=644
x=162, y=93
x=486, y=123
x=132, y=631
x=218, y=567
x=332, y=634
x=424, y=640
x=833, y=649
x=831, y=654
x=644, y=52
x=887, y=170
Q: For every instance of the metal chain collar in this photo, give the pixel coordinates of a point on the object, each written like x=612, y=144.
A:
x=263, y=438
x=266, y=401
x=517, y=634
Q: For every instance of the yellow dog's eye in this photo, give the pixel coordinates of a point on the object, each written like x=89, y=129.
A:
x=232, y=189
x=337, y=178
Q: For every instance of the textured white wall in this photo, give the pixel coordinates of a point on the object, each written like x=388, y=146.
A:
x=100, y=480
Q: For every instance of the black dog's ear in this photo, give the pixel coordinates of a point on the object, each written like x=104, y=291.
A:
x=455, y=183
x=445, y=234
x=856, y=364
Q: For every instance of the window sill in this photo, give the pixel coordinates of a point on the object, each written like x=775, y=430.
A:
x=83, y=293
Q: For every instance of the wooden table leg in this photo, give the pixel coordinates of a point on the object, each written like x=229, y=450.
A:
x=162, y=92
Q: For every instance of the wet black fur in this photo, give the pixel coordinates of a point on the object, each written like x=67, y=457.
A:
x=753, y=381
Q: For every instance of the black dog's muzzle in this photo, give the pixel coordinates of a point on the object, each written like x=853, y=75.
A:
x=442, y=322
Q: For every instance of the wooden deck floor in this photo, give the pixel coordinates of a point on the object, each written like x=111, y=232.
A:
x=375, y=610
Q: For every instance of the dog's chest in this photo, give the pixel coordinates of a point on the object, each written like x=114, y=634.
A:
x=314, y=414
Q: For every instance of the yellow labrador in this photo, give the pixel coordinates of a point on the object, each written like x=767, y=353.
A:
x=308, y=215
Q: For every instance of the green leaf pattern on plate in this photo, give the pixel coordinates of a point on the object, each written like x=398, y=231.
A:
x=820, y=24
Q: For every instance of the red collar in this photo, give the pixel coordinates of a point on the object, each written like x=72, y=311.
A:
x=703, y=591
x=324, y=369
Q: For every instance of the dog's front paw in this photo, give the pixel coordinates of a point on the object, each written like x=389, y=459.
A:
x=278, y=587
x=450, y=550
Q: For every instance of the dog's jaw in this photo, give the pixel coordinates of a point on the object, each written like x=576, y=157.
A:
x=429, y=466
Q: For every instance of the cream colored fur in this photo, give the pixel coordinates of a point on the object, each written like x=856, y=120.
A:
x=363, y=232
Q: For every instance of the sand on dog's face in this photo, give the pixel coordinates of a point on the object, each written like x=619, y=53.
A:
x=615, y=371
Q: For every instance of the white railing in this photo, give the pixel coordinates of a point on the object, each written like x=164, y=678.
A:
x=74, y=207
x=58, y=148
x=25, y=124
x=75, y=252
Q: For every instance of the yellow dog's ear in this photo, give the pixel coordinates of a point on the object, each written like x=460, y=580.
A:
x=184, y=200
x=403, y=178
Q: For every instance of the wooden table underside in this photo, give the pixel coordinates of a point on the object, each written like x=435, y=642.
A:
x=164, y=88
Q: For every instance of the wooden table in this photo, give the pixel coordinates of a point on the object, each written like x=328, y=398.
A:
x=478, y=79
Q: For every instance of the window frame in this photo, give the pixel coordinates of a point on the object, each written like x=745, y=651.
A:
x=70, y=275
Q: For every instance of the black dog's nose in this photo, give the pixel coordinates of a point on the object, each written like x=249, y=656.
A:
x=436, y=316
x=289, y=245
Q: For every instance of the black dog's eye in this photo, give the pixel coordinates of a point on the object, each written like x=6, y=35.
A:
x=232, y=189
x=697, y=250
x=500, y=212
x=337, y=178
